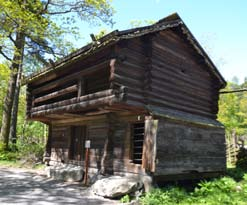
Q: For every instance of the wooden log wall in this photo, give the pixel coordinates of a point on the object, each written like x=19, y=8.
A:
x=60, y=143
x=110, y=137
x=186, y=148
x=179, y=80
x=164, y=70
x=97, y=134
x=81, y=78
x=130, y=71
x=111, y=152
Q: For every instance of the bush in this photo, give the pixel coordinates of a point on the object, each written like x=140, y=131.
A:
x=125, y=199
x=224, y=190
x=32, y=152
x=236, y=173
x=168, y=196
x=242, y=159
x=9, y=156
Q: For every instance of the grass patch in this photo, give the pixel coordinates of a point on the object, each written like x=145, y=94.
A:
x=10, y=164
x=230, y=190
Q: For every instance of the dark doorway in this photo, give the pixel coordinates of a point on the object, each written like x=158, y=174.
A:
x=78, y=137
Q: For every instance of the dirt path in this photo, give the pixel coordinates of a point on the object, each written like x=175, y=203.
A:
x=18, y=186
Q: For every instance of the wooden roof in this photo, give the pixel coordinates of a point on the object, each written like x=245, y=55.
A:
x=171, y=21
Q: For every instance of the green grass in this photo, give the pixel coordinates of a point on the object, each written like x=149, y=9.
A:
x=20, y=164
x=10, y=164
x=228, y=190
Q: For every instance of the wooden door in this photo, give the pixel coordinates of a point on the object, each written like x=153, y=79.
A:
x=78, y=137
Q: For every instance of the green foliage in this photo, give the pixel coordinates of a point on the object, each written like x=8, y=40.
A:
x=45, y=25
x=169, y=196
x=4, y=77
x=33, y=32
x=233, y=110
x=235, y=173
x=31, y=151
x=224, y=190
x=9, y=156
x=125, y=199
x=242, y=159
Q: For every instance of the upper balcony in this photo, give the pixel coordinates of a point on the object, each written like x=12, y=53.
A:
x=73, y=94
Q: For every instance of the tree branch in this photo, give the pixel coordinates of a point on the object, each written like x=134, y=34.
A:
x=233, y=91
x=45, y=9
x=4, y=55
x=11, y=38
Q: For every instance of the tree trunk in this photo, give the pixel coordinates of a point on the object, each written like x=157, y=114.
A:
x=13, y=125
x=9, y=98
x=8, y=102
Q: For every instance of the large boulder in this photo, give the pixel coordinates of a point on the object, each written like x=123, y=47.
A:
x=116, y=186
x=65, y=172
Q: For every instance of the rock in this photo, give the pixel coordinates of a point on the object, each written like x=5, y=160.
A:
x=147, y=182
x=96, y=177
x=116, y=186
x=65, y=172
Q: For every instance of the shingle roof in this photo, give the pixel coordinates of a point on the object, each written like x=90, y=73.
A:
x=168, y=22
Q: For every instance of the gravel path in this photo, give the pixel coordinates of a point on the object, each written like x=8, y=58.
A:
x=22, y=187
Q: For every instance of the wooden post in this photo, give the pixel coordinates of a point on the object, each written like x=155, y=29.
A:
x=149, y=145
x=81, y=87
x=87, y=146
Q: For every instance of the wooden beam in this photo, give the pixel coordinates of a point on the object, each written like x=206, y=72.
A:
x=55, y=94
x=234, y=91
x=80, y=119
x=81, y=87
x=75, y=100
x=68, y=78
x=78, y=106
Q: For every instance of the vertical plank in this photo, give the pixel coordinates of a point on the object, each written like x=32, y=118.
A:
x=149, y=146
x=49, y=139
x=128, y=152
x=81, y=87
x=108, y=155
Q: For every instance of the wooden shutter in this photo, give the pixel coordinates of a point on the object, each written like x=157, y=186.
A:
x=149, y=146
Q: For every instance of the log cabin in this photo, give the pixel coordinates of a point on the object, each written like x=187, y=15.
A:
x=146, y=98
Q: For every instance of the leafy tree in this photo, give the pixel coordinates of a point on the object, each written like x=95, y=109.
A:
x=4, y=76
x=32, y=32
x=233, y=110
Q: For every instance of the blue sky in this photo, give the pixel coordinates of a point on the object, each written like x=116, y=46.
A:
x=220, y=26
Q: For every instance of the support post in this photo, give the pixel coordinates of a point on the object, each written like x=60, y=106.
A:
x=87, y=146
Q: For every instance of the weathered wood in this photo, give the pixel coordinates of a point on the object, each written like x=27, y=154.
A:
x=55, y=94
x=96, y=95
x=180, y=101
x=83, y=120
x=185, y=147
x=149, y=147
x=81, y=87
x=79, y=106
x=180, y=73
x=125, y=80
x=164, y=103
x=70, y=77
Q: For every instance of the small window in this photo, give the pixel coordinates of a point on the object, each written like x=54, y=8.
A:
x=137, y=145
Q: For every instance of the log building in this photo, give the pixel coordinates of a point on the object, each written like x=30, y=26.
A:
x=146, y=98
